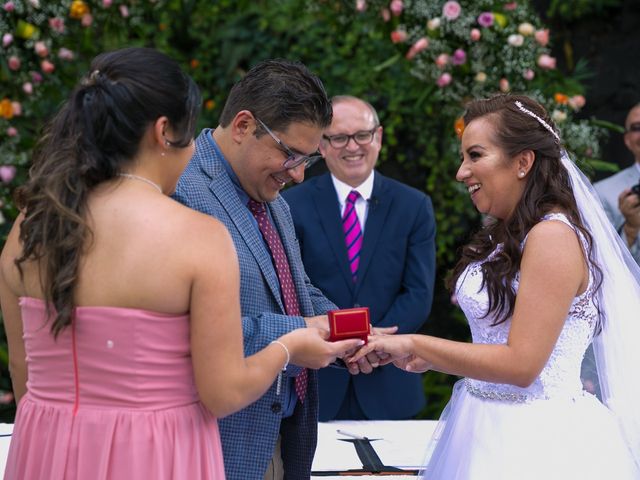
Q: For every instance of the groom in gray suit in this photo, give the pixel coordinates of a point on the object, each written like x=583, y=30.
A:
x=621, y=201
x=269, y=132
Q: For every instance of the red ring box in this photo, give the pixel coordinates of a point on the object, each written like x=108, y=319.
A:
x=349, y=323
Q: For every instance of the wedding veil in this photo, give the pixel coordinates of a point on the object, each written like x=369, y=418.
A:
x=616, y=348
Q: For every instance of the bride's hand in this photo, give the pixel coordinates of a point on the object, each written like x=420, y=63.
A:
x=389, y=348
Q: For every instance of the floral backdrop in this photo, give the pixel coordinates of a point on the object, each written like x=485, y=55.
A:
x=476, y=48
x=417, y=61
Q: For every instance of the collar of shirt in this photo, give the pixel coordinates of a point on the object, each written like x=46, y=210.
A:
x=637, y=164
x=364, y=189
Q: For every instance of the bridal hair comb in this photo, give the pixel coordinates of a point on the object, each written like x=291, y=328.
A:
x=539, y=120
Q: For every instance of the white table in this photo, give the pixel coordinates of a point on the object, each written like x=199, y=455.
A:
x=401, y=444
x=5, y=441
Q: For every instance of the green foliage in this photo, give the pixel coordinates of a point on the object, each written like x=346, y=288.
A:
x=351, y=50
x=576, y=9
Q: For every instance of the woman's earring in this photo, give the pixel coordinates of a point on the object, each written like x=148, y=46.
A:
x=521, y=174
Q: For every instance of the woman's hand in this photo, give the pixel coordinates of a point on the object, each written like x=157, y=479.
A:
x=389, y=348
x=309, y=348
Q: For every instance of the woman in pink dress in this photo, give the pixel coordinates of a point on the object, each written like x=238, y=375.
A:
x=121, y=306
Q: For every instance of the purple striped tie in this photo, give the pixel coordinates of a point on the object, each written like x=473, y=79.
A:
x=352, y=233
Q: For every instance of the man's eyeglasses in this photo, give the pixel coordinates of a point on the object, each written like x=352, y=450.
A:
x=634, y=127
x=363, y=137
x=293, y=159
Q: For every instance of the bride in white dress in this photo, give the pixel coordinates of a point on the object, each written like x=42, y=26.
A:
x=538, y=284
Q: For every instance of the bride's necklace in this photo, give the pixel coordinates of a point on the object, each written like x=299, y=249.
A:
x=142, y=179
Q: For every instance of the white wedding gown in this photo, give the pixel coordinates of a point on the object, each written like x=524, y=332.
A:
x=550, y=430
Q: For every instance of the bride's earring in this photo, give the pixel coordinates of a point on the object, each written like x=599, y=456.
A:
x=521, y=174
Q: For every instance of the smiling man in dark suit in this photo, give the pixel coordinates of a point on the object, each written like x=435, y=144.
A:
x=366, y=240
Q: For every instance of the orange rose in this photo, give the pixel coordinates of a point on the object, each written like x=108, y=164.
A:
x=458, y=126
x=209, y=104
x=78, y=9
x=194, y=63
x=6, y=109
x=561, y=98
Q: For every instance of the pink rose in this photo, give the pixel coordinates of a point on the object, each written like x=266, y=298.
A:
x=7, y=39
x=396, y=7
x=577, y=102
x=398, y=36
x=417, y=47
x=9, y=7
x=504, y=85
x=41, y=49
x=528, y=74
x=36, y=77
x=57, y=24
x=7, y=173
x=16, y=107
x=459, y=57
x=107, y=3
x=86, y=20
x=546, y=62
x=442, y=60
x=385, y=14
x=444, y=80
x=47, y=66
x=65, y=54
x=12, y=132
x=14, y=63
x=485, y=19
x=510, y=6
x=475, y=34
x=361, y=5
x=542, y=37
x=451, y=10
x=27, y=88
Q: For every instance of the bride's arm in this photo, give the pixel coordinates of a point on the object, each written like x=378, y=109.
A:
x=553, y=272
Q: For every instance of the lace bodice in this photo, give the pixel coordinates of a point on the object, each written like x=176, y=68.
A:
x=561, y=375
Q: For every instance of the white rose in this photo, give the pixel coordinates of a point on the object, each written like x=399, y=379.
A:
x=515, y=40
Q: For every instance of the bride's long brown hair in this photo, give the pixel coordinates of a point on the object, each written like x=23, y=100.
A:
x=547, y=188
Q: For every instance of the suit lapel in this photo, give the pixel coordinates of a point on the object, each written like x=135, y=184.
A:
x=222, y=188
x=379, y=205
x=326, y=203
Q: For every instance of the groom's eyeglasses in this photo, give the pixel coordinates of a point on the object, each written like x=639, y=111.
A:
x=293, y=159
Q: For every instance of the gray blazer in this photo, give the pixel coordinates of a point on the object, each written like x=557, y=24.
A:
x=249, y=436
x=609, y=189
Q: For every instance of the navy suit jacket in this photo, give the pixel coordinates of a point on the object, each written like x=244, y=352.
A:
x=249, y=436
x=395, y=280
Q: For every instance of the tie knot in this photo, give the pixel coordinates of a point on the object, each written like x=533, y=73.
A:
x=257, y=208
x=352, y=197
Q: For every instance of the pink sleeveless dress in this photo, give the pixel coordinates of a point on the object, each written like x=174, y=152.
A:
x=112, y=398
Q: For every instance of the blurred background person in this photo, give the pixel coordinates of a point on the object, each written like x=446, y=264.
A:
x=620, y=193
x=366, y=240
x=128, y=302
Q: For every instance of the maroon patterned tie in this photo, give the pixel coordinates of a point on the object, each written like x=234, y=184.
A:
x=279, y=256
x=352, y=233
